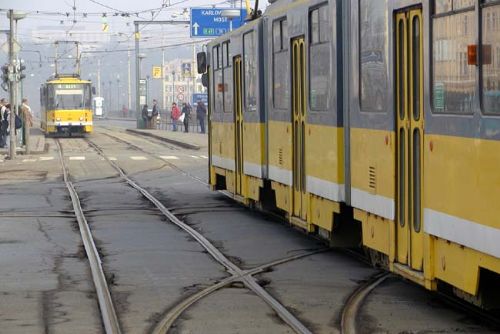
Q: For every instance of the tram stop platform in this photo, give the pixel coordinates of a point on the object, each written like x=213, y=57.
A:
x=190, y=140
x=37, y=140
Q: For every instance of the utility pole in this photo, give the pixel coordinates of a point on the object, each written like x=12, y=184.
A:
x=129, y=86
x=98, y=77
x=12, y=86
x=163, y=79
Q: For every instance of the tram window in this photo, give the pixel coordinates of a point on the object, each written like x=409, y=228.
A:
x=314, y=26
x=445, y=6
x=218, y=91
x=280, y=65
x=453, y=79
x=319, y=59
x=250, y=70
x=227, y=91
x=226, y=55
x=373, y=55
x=491, y=59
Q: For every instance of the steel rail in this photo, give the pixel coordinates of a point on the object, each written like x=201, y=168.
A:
x=164, y=325
x=250, y=282
x=354, y=302
x=108, y=313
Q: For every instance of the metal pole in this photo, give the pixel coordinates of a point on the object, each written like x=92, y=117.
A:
x=137, y=73
x=173, y=86
x=129, y=85
x=13, y=88
x=98, y=77
x=163, y=79
x=118, y=93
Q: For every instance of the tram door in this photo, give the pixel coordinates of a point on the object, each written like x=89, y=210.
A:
x=409, y=124
x=238, y=126
x=298, y=127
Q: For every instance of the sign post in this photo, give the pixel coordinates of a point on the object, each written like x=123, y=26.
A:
x=210, y=22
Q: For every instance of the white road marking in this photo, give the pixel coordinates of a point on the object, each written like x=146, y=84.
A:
x=169, y=157
x=204, y=156
x=46, y=158
x=76, y=158
x=112, y=158
x=138, y=158
x=194, y=157
x=29, y=160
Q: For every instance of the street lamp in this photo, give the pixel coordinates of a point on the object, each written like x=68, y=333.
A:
x=173, y=86
x=118, y=91
x=231, y=14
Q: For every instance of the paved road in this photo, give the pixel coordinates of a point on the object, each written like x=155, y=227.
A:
x=152, y=265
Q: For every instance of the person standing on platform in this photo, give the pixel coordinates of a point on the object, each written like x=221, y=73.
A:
x=154, y=115
x=27, y=118
x=186, y=110
x=144, y=115
x=175, y=113
x=4, y=122
x=201, y=114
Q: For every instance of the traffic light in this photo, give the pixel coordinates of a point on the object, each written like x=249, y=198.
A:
x=5, y=77
x=19, y=70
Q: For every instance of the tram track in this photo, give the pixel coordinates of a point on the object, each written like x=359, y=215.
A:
x=106, y=306
x=242, y=275
x=355, y=301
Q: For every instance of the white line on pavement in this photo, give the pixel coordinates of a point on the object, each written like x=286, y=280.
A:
x=169, y=157
x=46, y=158
x=76, y=158
x=139, y=158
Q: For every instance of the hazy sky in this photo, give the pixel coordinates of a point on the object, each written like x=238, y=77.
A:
x=38, y=16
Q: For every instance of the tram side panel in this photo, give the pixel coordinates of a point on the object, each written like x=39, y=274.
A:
x=306, y=155
x=222, y=121
x=461, y=177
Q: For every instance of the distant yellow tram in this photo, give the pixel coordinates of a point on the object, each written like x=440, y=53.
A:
x=66, y=106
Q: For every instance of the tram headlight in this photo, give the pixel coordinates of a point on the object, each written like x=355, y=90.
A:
x=81, y=118
x=58, y=119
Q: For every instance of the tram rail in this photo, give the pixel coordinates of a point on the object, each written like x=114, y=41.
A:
x=106, y=306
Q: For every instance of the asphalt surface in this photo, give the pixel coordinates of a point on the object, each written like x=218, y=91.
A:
x=152, y=265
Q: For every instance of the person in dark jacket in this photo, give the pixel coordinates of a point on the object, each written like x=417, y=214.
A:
x=201, y=114
x=144, y=115
x=154, y=114
x=186, y=110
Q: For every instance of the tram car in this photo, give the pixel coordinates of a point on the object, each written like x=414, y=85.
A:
x=372, y=123
x=66, y=106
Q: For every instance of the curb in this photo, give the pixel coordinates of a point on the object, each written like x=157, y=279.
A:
x=168, y=140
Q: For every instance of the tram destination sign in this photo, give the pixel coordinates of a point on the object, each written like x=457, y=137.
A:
x=209, y=22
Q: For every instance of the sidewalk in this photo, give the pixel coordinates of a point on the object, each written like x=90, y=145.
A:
x=37, y=140
x=190, y=140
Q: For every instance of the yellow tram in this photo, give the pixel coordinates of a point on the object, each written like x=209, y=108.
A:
x=66, y=106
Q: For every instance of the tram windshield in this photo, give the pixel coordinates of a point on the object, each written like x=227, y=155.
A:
x=70, y=96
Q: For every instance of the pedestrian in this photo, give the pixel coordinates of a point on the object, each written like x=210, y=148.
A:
x=4, y=122
x=144, y=115
x=186, y=110
x=201, y=114
x=27, y=118
x=155, y=114
x=175, y=113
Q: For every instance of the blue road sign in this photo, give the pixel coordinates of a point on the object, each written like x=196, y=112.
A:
x=209, y=22
x=200, y=96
